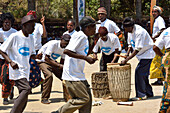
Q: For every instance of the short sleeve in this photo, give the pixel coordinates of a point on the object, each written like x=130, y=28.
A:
x=160, y=42
x=139, y=40
x=8, y=43
x=116, y=43
x=115, y=28
x=49, y=49
x=95, y=49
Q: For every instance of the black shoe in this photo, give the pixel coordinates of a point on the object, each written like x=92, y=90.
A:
x=157, y=83
x=45, y=101
x=5, y=101
x=12, y=94
x=54, y=112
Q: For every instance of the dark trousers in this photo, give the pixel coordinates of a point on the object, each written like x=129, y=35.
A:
x=21, y=101
x=106, y=59
x=143, y=88
x=48, y=70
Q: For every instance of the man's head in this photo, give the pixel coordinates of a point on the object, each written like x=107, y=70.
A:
x=28, y=23
x=65, y=40
x=156, y=11
x=7, y=21
x=128, y=24
x=88, y=25
x=102, y=33
x=102, y=14
x=70, y=25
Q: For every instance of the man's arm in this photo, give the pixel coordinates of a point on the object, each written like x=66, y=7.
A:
x=129, y=57
x=44, y=35
x=53, y=62
x=6, y=57
x=75, y=55
x=157, y=51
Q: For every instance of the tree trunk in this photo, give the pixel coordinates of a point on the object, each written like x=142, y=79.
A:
x=31, y=5
x=138, y=10
x=106, y=4
x=75, y=12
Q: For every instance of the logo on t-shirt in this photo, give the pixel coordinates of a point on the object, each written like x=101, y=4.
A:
x=55, y=56
x=106, y=49
x=166, y=33
x=132, y=43
x=86, y=50
x=24, y=51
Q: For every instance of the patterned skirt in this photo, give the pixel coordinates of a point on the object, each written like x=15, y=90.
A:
x=165, y=103
x=157, y=68
x=4, y=79
x=35, y=74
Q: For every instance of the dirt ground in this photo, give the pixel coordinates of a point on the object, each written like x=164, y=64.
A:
x=34, y=104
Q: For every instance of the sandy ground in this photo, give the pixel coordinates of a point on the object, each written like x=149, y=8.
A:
x=34, y=104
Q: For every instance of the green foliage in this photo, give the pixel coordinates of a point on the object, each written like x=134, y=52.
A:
x=91, y=7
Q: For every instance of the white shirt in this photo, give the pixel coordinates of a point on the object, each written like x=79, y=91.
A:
x=53, y=49
x=73, y=67
x=159, y=24
x=19, y=48
x=72, y=34
x=140, y=39
x=38, y=31
x=164, y=39
x=109, y=46
x=4, y=36
x=110, y=25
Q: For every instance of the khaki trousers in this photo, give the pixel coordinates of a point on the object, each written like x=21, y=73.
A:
x=48, y=71
x=81, y=97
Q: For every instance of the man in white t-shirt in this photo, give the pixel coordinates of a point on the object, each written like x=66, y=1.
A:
x=142, y=45
x=51, y=51
x=158, y=28
x=76, y=83
x=109, y=45
x=109, y=24
x=20, y=48
x=164, y=41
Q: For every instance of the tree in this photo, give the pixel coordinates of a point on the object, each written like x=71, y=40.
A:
x=31, y=5
x=138, y=10
x=106, y=4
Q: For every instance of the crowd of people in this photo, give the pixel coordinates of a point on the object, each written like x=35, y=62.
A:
x=23, y=57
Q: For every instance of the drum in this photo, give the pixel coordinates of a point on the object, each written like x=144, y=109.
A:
x=100, y=86
x=65, y=92
x=119, y=78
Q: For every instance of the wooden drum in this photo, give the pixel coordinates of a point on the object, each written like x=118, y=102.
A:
x=100, y=84
x=119, y=78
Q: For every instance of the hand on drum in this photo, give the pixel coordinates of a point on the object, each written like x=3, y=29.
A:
x=123, y=62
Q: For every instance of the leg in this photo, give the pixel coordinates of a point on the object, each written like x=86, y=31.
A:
x=21, y=101
x=143, y=88
x=47, y=85
x=80, y=97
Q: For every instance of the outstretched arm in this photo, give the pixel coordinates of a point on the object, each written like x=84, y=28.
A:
x=75, y=55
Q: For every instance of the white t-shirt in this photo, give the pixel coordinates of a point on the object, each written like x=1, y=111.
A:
x=4, y=36
x=19, y=48
x=109, y=46
x=38, y=31
x=140, y=39
x=53, y=49
x=159, y=24
x=72, y=34
x=73, y=67
x=164, y=39
x=111, y=27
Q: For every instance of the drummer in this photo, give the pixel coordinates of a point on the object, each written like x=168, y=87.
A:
x=142, y=45
x=109, y=45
